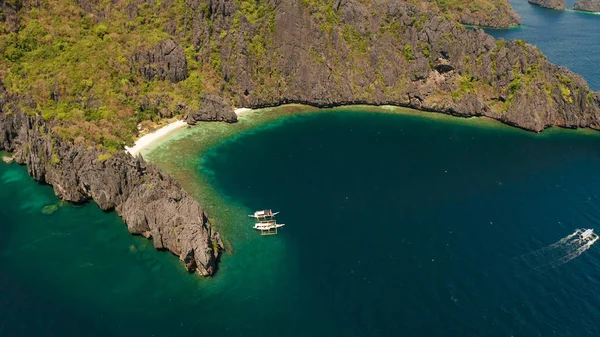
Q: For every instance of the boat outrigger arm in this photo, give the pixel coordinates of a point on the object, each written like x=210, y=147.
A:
x=586, y=235
x=267, y=225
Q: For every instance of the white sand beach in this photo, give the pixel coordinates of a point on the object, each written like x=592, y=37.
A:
x=242, y=111
x=150, y=138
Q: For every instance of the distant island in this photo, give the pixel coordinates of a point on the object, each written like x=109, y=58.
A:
x=80, y=79
x=580, y=5
x=587, y=6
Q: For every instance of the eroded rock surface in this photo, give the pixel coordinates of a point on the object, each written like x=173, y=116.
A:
x=396, y=55
x=150, y=202
x=165, y=60
x=213, y=108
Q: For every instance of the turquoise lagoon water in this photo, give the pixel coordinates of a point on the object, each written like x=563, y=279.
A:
x=397, y=225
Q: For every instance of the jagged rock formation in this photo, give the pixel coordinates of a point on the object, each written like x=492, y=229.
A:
x=150, y=202
x=165, y=60
x=212, y=108
x=587, y=5
x=553, y=4
x=399, y=56
x=499, y=18
x=264, y=53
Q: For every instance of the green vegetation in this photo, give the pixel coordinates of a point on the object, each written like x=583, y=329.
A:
x=408, y=53
x=564, y=84
x=466, y=84
x=78, y=70
x=54, y=161
x=355, y=39
x=471, y=11
x=324, y=12
x=104, y=157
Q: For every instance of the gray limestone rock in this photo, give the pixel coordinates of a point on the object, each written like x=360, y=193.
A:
x=213, y=109
x=150, y=202
x=165, y=60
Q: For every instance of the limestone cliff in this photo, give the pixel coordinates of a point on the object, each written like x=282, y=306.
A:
x=553, y=4
x=587, y=5
x=60, y=116
x=482, y=13
x=150, y=202
x=396, y=55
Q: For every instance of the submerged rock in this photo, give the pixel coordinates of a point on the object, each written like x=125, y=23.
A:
x=553, y=4
x=587, y=5
x=50, y=209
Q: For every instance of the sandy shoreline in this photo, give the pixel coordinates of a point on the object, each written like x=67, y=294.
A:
x=150, y=138
x=243, y=111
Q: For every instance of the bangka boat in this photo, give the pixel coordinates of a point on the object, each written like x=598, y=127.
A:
x=587, y=234
x=263, y=214
x=268, y=227
x=266, y=222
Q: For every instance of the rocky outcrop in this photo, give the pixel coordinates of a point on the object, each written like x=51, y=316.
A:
x=499, y=17
x=10, y=14
x=165, y=60
x=553, y=4
x=587, y=5
x=213, y=108
x=400, y=56
x=481, y=13
x=150, y=202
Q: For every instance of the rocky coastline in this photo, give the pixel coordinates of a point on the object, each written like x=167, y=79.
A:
x=150, y=202
x=431, y=64
x=396, y=55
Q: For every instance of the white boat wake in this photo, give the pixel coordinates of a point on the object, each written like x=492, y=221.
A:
x=562, y=251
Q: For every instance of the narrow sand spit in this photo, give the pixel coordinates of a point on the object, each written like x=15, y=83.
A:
x=150, y=138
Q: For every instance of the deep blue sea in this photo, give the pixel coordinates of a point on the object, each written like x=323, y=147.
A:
x=397, y=224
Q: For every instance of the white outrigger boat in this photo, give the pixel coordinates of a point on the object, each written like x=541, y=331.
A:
x=263, y=214
x=587, y=235
x=268, y=227
x=266, y=222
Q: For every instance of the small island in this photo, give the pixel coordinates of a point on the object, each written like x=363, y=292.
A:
x=587, y=6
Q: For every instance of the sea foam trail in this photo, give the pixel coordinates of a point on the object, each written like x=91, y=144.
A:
x=150, y=138
x=558, y=253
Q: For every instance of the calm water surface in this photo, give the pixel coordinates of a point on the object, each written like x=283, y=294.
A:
x=396, y=225
x=568, y=38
